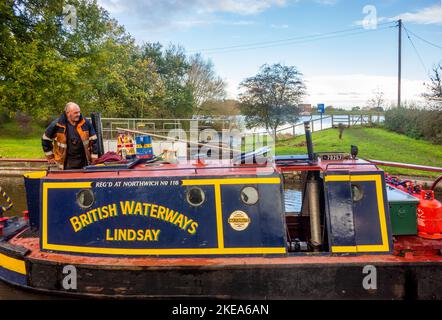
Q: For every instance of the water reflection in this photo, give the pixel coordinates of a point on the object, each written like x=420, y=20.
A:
x=8, y=292
x=293, y=199
x=15, y=189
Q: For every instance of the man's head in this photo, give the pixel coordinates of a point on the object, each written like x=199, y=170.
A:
x=72, y=111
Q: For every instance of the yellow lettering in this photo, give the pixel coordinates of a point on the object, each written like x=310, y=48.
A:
x=193, y=226
x=187, y=221
x=100, y=216
x=138, y=209
x=146, y=208
x=171, y=215
x=93, y=214
x=179, y=221
x=156, y=233
x=133, y=208
x=104, y=213
x=131, y=234
x=161, y=211
x=83, y=219
x=113, y=210
x=148, y=236
x=153, y=210
x=126, y=207
x=76, y=224
x=108, y=236
x=122, y=234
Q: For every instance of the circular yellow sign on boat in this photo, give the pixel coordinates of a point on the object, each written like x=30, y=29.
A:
x=239, y=220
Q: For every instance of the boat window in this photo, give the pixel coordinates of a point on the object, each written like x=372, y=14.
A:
x=85, y=198
x=249, y=195
x=357, y=192
x=195, y=196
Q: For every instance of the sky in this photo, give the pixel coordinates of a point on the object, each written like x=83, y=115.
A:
x=346, y=49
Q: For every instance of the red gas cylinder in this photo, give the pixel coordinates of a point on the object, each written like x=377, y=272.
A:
x=429, y=216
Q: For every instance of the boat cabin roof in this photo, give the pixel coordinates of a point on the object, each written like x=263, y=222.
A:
x=183, y=168
x=217, y=168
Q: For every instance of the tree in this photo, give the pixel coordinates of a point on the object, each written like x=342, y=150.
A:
x=377, y=102
x=434, y=94
x=220, y=108
x=38, y=81
x=44, y=63
x=205, y=84
x=172, y=66
x=271, y=97
x=145, y=87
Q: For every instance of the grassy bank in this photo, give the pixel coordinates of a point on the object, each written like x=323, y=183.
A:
x=373, y=143
x=19, y=142
x=28, y=148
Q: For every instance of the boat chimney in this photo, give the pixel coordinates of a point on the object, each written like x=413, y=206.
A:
x=315, y=211
x=96, y=123
x=308, y=138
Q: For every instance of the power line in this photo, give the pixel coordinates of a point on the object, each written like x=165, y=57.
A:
x=416, y=51
x=293, y=40
x=266, y=44
x=422, y=39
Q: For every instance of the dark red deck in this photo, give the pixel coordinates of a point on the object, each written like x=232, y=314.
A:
x=182, y=169
x=407, y=249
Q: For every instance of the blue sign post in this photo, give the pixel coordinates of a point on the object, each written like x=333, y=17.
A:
x=321, y=110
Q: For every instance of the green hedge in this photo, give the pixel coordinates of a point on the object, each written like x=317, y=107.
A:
x=415, y=123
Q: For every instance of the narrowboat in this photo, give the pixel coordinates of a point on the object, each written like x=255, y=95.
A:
x=217, y=229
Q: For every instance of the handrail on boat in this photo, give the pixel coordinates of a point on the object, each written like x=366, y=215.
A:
x=411, y=166
x=406, y=165
x=433, y=186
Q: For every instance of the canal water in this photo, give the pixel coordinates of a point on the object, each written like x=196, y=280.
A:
x=316, y=123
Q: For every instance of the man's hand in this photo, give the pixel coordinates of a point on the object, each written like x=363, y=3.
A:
x=52, y=161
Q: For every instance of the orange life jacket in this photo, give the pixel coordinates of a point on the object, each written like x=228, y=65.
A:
x=54, y=140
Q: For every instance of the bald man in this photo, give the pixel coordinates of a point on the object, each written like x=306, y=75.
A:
x=70, y=140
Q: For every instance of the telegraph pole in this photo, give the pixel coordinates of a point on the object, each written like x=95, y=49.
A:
x=399, y=64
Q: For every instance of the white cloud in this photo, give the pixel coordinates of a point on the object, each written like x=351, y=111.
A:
x=154, y=15
x=429, y=15
x=244, y=7
x=350, y=90
x=368, y=23
x=150, y=8
x=113, y=6
x=151, y=15
x=355, y=89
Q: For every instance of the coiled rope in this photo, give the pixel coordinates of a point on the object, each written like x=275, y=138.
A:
x=9, y=202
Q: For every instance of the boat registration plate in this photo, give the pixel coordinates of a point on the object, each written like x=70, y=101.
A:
x=334, y=156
